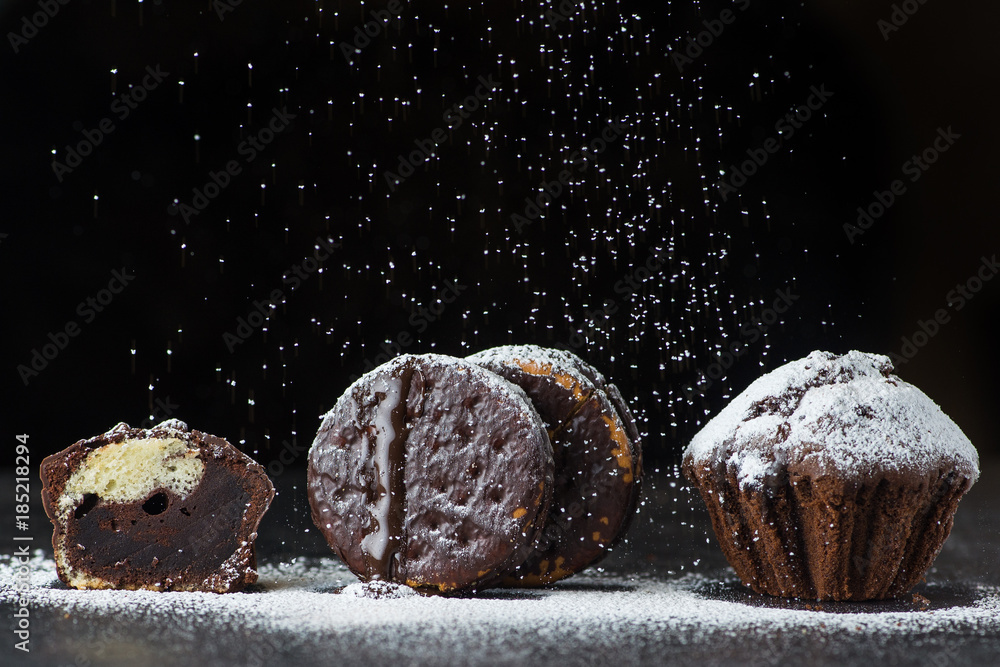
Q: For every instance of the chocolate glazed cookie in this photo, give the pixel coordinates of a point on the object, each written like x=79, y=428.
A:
x=598, y=458
x=433, y=472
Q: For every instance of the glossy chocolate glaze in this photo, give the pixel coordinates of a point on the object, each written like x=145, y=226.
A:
x=387, y=427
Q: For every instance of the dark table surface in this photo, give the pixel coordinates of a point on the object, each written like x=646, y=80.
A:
x=666, y=596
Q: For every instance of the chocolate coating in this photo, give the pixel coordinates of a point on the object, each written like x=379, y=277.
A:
x=598, y=458
x=201, y=542
x=432, y=472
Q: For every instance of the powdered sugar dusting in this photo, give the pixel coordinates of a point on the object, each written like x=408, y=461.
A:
x=308, y=603
x=365, y=385
x=846, y=415
x=378, y=590
x=171, y=427
x=563, y=363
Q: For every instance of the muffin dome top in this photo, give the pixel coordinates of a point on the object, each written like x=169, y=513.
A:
x=829, y=414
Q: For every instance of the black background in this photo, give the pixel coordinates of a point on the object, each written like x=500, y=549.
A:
x=650, y=190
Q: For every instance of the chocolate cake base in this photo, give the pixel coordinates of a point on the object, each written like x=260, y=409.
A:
x=827, y=539
x=159, y=509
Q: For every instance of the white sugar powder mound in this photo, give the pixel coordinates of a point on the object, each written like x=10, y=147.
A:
x=377, y=590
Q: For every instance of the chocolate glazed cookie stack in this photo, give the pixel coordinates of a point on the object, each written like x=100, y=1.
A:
x=518, y=466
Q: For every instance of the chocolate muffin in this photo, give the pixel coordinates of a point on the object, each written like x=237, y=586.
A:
x=598, y=458
x=158, y=509
x=432, y=472
x=830, y=478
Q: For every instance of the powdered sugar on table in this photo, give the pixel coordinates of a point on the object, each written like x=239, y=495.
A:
x=296, y=605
